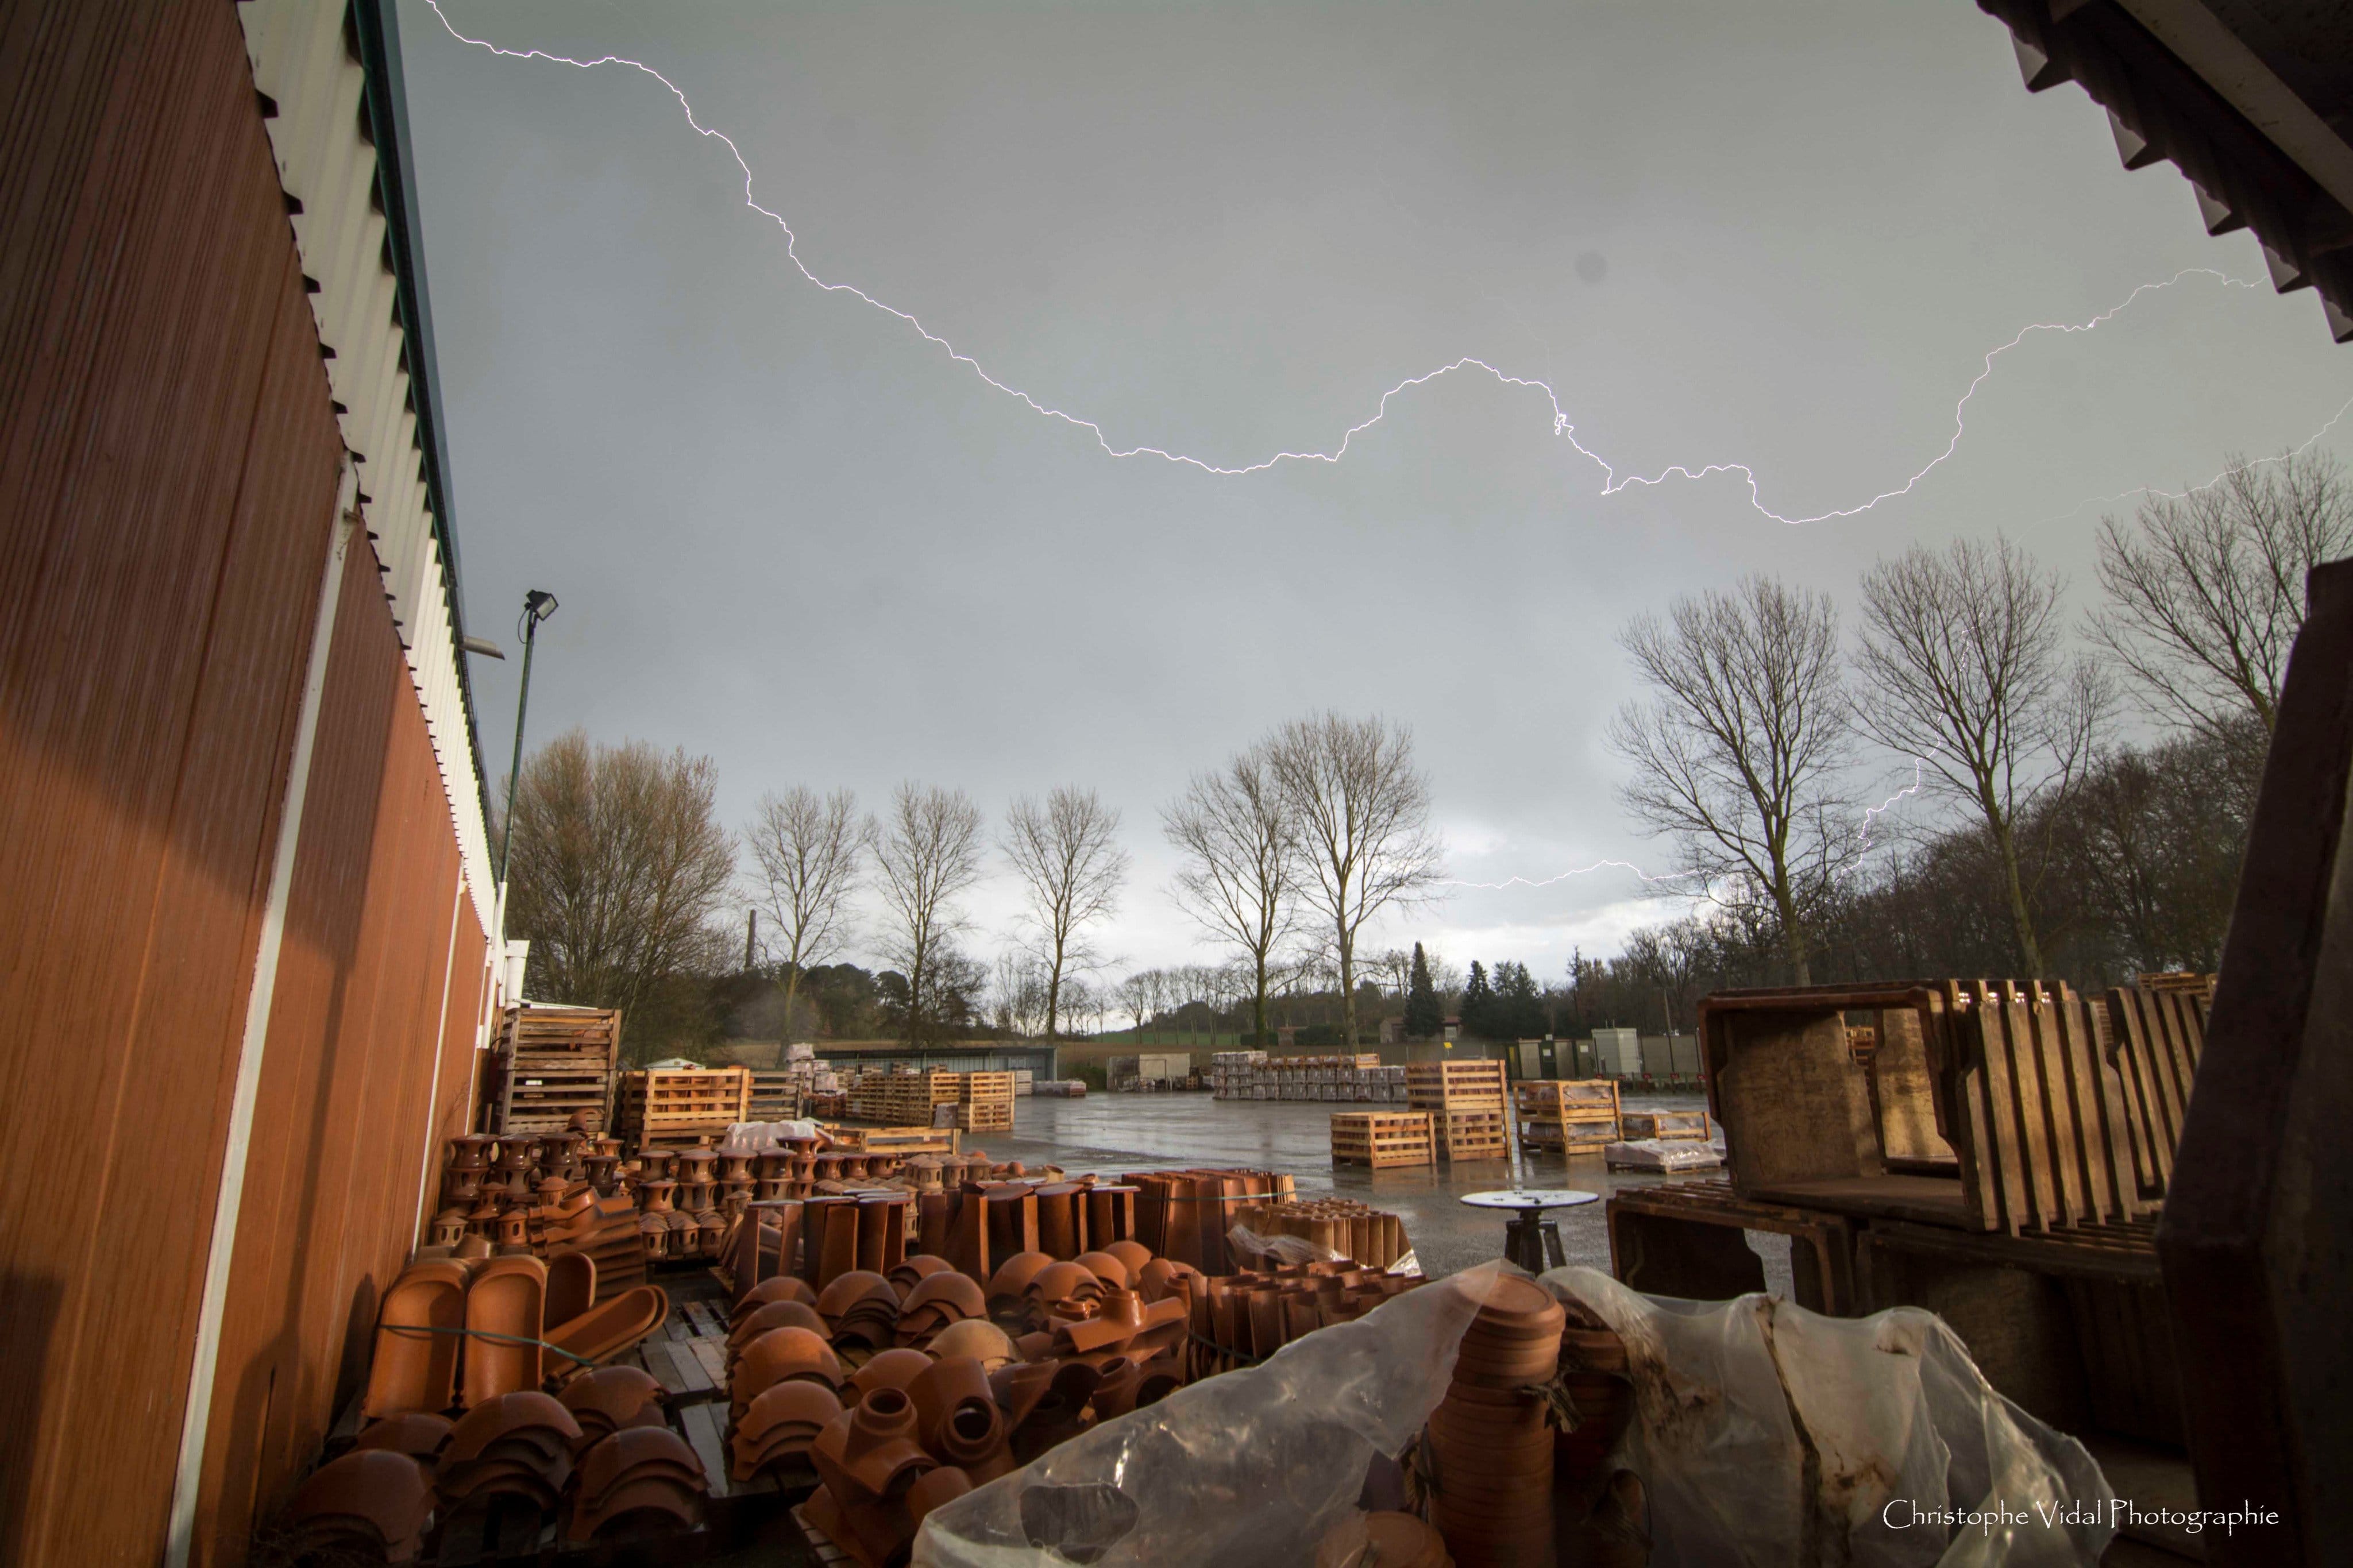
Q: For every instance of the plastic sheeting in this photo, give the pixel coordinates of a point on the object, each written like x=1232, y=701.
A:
x=1767, y=1435
x=1251, y=1467
x=1770, y=1435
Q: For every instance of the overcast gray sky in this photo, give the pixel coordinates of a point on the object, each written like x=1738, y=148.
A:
x=789, y=533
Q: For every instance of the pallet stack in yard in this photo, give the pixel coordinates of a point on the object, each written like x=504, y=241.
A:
x=1470, y=1116
x=985, y=1101
x=1568, y=1116
x=1382, y=1138
x=683, y=1107
x=553, y=1063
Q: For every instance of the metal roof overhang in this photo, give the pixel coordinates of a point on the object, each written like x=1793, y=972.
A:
x=2252, y=100
x=337, y=116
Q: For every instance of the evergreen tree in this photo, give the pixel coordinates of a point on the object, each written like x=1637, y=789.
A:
x=1425, y=1016
x=1517, y=1013
x=1478, y=1002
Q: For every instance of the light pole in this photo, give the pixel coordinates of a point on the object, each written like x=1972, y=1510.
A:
x=537, y=605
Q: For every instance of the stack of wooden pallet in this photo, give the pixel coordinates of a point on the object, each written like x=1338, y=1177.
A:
x=553, y=1064
x=1568, y=1116
x=903, y=1099
x=681, y=1108
x=985, y=1101
x=1382, y=1138
x=1469, y=1117
x=776, y=1096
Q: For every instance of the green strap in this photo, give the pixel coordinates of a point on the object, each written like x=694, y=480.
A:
x=483, y=1334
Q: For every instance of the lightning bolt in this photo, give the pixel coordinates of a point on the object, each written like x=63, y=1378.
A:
x=1562, y=426
x=1919, y=775
x=2309, y=442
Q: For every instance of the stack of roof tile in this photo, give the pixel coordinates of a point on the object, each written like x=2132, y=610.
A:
x=860, y=1307
x=518, y=1446
x=638, y=1474
x=610, y=1399
x=372, y=1505
x=937, y=1301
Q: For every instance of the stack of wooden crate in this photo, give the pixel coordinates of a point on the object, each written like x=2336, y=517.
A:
x=985, y=1101
x=903, y=1099
x=683, y=1107
x=1470, y=1116
x=1382, y=1138
x=1568, y=1116
x=2001, y=1161
x=555, y=1063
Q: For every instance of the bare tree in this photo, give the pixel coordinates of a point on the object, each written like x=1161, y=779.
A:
x=1019, y=984
x=1240, y=874
x=619, y=867
x=1070, y=865
x=1963, y=663
x=808, y=848
x=928, y=852
x=1738, y=752
x=1139, y=995
x=2205, y=592
x=1362, y=810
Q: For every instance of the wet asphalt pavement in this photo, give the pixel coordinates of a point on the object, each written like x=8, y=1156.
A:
x=1109, y=1133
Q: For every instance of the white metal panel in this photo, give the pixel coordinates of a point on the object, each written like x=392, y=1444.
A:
x=301, y=62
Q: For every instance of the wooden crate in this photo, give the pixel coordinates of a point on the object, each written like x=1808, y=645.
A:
x=1382, y=1138
x=985, y=1101
x=1570, y=1116
x=1686, y=1239
x=1454, y=1086
x=1670, y=1124
x=662, y=1108
x=1472, y=1134
x=555, y=1063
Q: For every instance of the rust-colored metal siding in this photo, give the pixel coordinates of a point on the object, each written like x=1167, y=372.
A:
x=169, y=461
x=347, y=1107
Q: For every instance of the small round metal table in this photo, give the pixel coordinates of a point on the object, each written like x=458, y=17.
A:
x=1531, y=1240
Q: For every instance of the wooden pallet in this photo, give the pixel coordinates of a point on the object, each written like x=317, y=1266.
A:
x=2154, y=1035
x=555, y=1063
x=659, y=1106
x=986, y=1116
x=1382, y=1138
x=901, y=1141
x=2038, y=1114
x=776, y=1097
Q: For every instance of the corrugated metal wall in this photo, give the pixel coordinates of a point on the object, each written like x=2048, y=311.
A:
x=371, y=981
x=168, y=468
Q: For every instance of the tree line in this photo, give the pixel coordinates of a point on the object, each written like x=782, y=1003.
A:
x=625, y=884
x=2021, y=832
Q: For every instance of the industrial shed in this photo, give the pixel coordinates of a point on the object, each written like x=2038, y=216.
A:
x=246, y=908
